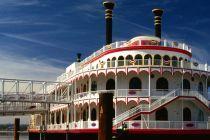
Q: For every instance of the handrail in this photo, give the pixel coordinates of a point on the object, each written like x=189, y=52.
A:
x=139, y=108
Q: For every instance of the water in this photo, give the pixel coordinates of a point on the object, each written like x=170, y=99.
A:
x=11, y=137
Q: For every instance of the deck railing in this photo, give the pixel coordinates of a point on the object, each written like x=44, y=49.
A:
x=167, y=124
x=133, y=124
x=137, y=63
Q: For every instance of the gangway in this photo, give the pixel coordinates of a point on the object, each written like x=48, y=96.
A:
x=19, y=97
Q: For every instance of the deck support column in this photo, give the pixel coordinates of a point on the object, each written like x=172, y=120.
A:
x=16, y=128
x=55, y=122
x=89, y=110
x=116, y=95
x=105, y=116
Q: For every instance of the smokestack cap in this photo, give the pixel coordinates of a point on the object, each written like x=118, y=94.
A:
x=157, y=12
x=108, y=4
x=79, y=57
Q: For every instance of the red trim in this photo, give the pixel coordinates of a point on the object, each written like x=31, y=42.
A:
x=131, y=131
x=141, y=48
x=168, y=131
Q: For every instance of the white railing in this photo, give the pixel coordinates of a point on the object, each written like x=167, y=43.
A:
x=164, y=99
x=74, y=125
x=133, y=124
x=166, y=124
x=138, y=63
x=196, y=94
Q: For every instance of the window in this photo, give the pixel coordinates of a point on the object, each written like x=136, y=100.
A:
x=186, y=114
x=174, y=61
x=157, y=59
x=113, y=62
x=161, y=114
x=166, y=60
x=52, y=118
x=200, y=88
x=93, y=86
x=84, y=88
x=110, y=84
x=200, y=115
x=138, y=59
x=186, y=84
x=162, y=84
x=147, y=59
x=120, y=61
x=135, y=83
x=63, y=118
x=84, y=115
x=129, y=58
x=93, y=114
x=108, y=63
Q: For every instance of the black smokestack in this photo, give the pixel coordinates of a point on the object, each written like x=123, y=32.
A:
x=158, y=13
x=109, y=5
x=79, y=57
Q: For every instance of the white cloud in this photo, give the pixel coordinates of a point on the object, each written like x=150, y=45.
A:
x=24, y=38
x=18, y=2
x=24, y=68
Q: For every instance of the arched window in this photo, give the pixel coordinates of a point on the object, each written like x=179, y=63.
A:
x=147, y=58
x=93, y=86
x=180, y=60
x=128, y=60
x=52, y=118
x=84, y=88
x=186, y=114
x=70, y=116
x=200, y=115
x=157, y=59
x=57, y=119
x=110, y=84
x=93, y=114
x=113, y=62
x=161, y=114
x=63, y=120
x=108, y=63
x=135, y=83
x=84, y=115
x=120, y=61
x=200, y=88
x=138, y=59
x=186, y=84
x=166, y=60
x=174, y=61
x=162, y=84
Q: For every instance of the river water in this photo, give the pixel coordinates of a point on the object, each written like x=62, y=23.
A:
x=11, y=137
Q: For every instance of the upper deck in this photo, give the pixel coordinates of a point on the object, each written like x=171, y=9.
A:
x=137, y=45
x=141, y=41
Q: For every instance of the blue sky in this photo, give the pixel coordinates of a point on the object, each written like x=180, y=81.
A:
x=39, y=38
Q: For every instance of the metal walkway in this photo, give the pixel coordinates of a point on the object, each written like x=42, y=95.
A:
x=20, y=97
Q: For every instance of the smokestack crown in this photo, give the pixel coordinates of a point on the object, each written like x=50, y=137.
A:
x=108, y=5
x=157, y=12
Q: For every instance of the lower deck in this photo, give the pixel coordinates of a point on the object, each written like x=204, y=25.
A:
x=122, y=135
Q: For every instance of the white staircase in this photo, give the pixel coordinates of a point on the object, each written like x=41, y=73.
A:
x=138, y=109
